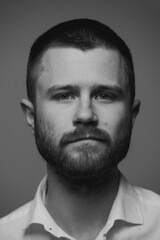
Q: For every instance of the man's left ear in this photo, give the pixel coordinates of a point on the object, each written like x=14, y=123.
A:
x=135, y=110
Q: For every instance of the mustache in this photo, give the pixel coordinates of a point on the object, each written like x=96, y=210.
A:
x=82, y=132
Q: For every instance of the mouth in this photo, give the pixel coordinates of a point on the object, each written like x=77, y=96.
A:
x=86, y=139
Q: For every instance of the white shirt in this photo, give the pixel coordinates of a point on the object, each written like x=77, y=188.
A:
x=135, y=215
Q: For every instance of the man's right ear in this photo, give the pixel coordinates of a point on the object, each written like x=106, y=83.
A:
x=28, y=111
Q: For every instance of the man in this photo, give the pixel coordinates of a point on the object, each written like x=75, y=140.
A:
x=81, y=108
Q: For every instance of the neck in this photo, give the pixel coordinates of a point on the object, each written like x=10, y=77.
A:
x=82, y=213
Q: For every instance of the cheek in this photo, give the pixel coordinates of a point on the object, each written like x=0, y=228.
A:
x=113, y=119
x=56, y=121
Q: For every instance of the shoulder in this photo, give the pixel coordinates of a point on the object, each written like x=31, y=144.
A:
x=19, y=213
x=150, y=205
x=148, y=197
x=14, y=223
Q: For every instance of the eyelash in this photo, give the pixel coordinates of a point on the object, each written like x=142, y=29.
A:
x=59, y=97
x=106, y=96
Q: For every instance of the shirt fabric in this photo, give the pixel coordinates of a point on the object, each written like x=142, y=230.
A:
x=135, y=214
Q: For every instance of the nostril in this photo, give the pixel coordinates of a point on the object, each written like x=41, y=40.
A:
x=84, y=123
x=92, y=120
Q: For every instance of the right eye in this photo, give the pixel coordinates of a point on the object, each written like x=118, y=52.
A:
x=62, y=97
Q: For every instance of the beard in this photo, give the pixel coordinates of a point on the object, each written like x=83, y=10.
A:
x=83, y=165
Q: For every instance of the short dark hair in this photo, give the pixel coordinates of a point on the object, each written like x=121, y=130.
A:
x=83, y=34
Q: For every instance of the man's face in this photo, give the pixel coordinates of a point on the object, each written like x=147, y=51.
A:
x=83, y=116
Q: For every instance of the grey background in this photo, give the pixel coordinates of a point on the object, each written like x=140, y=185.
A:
x=138, y=22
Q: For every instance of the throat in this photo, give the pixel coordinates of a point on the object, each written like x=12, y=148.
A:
x=81, y=213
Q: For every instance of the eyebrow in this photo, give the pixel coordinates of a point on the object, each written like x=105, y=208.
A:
x=57, y=88
x=112, y=88
x=75, y=88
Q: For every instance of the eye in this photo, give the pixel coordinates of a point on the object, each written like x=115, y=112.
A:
x=105, y=97
x=64, y=97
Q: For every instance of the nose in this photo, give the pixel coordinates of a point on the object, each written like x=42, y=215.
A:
x=85, y=115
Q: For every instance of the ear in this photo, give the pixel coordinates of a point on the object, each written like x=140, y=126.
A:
x=135, y=110
x=28, y=111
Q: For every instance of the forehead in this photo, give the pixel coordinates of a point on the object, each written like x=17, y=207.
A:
x=73, y=66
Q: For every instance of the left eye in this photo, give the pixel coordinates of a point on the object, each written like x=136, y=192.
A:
x=104, y=97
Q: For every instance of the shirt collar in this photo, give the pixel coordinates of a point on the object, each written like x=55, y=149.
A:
x=39, y=215
x=126, y=207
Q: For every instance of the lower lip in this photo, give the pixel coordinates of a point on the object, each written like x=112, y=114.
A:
x=91, y=141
